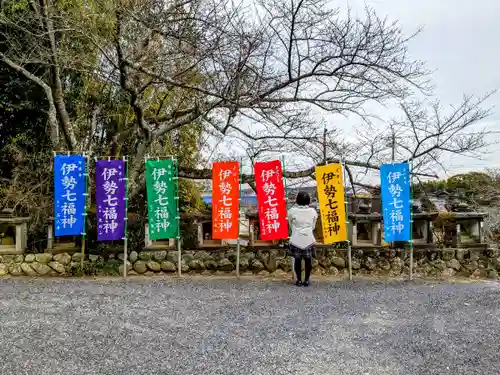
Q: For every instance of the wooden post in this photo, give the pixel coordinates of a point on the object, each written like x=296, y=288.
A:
x=18, y=238
x=50, y=236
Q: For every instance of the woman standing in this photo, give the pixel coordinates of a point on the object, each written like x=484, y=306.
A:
x=302, y=220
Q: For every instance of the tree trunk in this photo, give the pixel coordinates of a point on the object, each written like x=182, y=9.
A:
x=57, y=91
x=52, y=111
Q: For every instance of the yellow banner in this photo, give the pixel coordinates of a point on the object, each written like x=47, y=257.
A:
x=331, y=203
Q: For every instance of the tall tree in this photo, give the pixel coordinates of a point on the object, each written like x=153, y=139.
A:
x=253, y=71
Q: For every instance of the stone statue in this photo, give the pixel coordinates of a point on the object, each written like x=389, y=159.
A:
x=456, y=205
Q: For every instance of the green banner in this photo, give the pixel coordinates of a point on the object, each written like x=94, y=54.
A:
x=162, y=207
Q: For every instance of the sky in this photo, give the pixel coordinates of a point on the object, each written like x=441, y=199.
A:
x=460, y=42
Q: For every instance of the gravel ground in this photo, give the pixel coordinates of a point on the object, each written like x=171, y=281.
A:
x=195, y=326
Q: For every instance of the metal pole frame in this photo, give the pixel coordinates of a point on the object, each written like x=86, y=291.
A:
x=125, y=233
x=178, y=217
x=294, y=276
x=238, y=245
x=125, y=198
x=349, y=249
x=177, y=198
x=410, y=168
x=85, y=195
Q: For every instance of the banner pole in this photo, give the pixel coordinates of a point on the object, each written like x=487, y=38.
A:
x=179, y=255
x=85, y=196
x=125, y=237
x=284, y=178
x=349, y=249
x=411, y=218
x=238, y=252
x=238, y=245
x=54, y=222
x=294, y=276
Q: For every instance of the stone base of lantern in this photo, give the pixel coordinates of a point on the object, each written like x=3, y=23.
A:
x=161, y=245
x=471, y=245
x=69, y=248
x=423, y=245
x=151, y=245
x=10, y=250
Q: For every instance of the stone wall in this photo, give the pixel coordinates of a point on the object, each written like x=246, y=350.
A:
x=36, y=264
x=391, y=263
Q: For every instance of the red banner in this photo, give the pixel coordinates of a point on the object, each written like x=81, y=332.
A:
x=225, y=200
x=271, y=200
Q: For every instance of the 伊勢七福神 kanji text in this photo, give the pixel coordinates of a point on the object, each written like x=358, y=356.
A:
x=225, y=200
x=329, y=190
x=69, y=183
x=331, y=202
x=396, y=201
x=110, y=199
x=271, y=200
x=268, y=177
x=69, y=194
x=162, y=207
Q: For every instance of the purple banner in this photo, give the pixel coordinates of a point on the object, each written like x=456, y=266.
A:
x=110, y=199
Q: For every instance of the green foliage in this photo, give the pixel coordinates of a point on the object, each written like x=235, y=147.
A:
x=99, y=268
x=16, y=6
x=22, y=121
x=472, y=181
x=189, y=234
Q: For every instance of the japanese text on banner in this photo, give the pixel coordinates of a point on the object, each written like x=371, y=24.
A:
x=162, y=204
x=331, y=203
x=225, y=200
x=395, y=188
x=110, y=199
x=69, y=195
x=271, y=200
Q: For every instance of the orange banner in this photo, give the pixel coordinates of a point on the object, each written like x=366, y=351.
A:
x=225, y=200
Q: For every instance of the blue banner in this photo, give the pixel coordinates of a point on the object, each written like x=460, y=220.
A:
x=69, y=195
x=395, y=188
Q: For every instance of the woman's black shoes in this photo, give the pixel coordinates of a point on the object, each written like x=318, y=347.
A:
x=300, y=283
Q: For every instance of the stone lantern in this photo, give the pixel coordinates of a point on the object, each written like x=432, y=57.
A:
x=157, y=245
x=13, y=232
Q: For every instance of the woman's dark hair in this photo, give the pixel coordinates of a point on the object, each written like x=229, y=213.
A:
x=303, y=199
